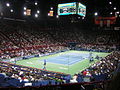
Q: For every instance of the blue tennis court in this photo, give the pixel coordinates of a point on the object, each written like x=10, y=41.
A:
x=67, y=58
x=66, y=62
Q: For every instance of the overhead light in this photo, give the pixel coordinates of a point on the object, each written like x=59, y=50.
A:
x=25, y=8
x=7, y=4
x=115, y=8
x=36, y=3
x=51, y=8
x=95, y=13
x=57, y=16
x=11, y=10
x=36, y=15
x=110, y=2
x=38, y=11
x=24, y=13
x=48, y=14
x=83, y=17
x=111, y=13
x=118, y=12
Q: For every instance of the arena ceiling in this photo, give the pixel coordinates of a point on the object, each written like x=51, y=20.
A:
x=15, y=8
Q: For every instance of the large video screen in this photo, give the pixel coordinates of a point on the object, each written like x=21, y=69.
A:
x=81, y=10
x=67, y=8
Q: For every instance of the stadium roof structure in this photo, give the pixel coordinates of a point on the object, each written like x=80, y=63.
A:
x=40, y=8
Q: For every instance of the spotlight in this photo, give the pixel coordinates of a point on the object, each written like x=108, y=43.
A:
x=115, y=8
x=111, y=13
x=118, y=12
x=48, y=14
x=36, y=3
x=11, y=10
x=36, y=15
x=83, y=17
x=51, y=8
x=38, y=11
x=24, y=13
x=7, y=4
x=25, y=8
x=110, y=2
x=57, y=16
x=95, y=13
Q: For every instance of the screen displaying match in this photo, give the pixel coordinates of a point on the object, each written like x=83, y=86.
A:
x=67, y=8
x=81, y=10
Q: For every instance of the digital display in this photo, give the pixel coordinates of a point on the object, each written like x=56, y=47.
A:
x=81, y=9
x=67, y=8
x=50, y=13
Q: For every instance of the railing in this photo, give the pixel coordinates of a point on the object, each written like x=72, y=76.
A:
x=47, y=71
x=101, y=85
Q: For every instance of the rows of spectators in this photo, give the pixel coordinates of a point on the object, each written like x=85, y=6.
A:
x=21, y=75
x=94, y=47
x=18, y=76
x=100, y=71
x=20, y=41
x=23, y=40
x=30, y=51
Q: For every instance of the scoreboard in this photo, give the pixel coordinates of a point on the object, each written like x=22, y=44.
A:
x=72, y=8
x=81, y=9
x=67, y=8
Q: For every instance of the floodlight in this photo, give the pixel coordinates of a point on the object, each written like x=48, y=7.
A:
x=7, y=4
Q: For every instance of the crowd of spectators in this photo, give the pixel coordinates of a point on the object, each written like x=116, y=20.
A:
x=18, y=76
x=99, y=48
x=19, y=41
x=105, y=69
x=23, y=40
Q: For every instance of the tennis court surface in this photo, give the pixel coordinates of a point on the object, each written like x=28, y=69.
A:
x=67, y=62
x=67, y=58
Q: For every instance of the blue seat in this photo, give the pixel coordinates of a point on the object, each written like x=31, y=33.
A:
x=2, y=77
x=38, y=83
x=45, y=82
x=14, y=82
x=52, y=82
x=4, y=84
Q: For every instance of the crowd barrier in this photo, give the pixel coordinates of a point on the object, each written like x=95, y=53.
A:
x=93, y=50
x=32, y=56
x=101, y=85
x=47, y=54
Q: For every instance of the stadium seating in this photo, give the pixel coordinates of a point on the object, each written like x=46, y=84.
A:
x=19, y=41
